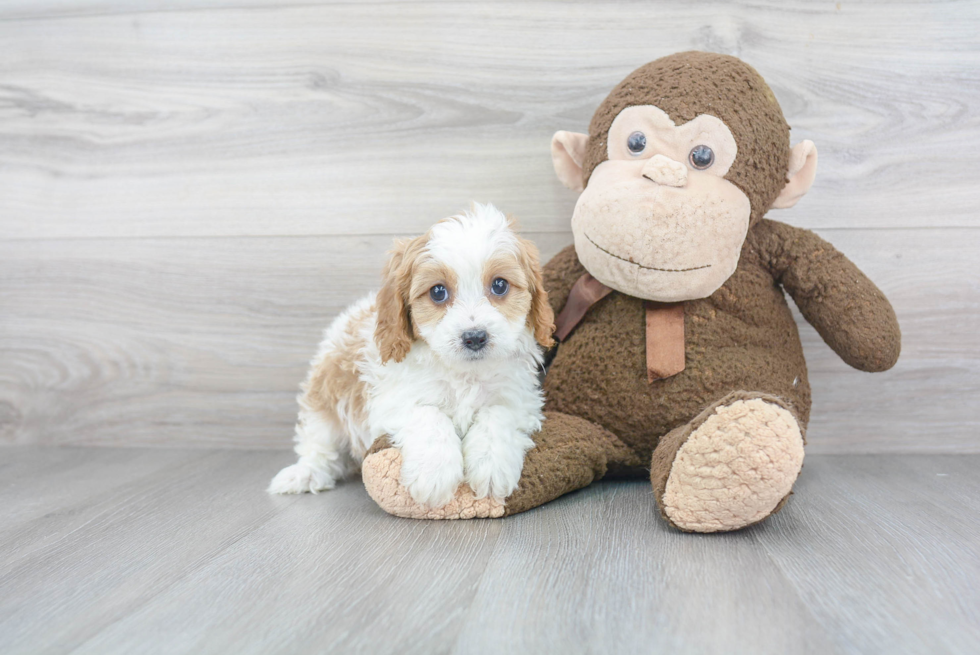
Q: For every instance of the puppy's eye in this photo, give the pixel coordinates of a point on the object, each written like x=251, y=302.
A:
x=636, y=143
x=439, y=294
x=702, y=157
x=499, y=286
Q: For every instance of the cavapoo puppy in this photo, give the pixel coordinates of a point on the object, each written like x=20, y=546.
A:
x=444, y=359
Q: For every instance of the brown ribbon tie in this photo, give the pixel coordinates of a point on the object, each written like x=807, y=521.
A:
x=665, y=339
x=664, y=326
x=586, y=292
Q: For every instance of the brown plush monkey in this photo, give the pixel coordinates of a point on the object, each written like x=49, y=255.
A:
x=679, y=357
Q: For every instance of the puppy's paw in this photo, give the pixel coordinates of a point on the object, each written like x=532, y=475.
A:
x=496, y=477
x=300, y=478
x=493, y=464
x=432, y=476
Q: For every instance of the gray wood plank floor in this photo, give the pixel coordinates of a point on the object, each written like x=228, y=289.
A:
x=180, y=551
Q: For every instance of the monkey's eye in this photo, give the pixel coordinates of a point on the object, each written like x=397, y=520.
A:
x=499, y=286
x=636, y=143
x=439, y=294
x=702, y=157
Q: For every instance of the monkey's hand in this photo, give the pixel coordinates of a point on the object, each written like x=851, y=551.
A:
x=846, y=308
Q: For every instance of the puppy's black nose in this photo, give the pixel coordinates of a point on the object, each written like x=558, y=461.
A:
x=475, y=339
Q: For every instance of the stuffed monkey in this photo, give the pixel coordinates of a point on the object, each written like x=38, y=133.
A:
x=678, y=356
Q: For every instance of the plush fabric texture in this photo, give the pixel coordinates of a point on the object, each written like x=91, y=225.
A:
x=688, y=84
x=569, y=453
x=851, y=314
x=734, y=465
x=741, y=337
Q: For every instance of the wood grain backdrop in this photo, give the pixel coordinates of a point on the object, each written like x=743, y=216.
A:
x=190, y=191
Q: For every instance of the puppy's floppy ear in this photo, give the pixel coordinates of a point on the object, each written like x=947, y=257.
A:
x=540, y=318
x=394, y=334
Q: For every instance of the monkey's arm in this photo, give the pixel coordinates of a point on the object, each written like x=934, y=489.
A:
x=846, y=308
x=560, y=274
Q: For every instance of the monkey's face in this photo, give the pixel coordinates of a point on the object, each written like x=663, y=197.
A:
x=658, y=220
x=668, y=204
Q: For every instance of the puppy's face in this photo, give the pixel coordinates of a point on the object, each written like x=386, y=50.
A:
x=470, y=287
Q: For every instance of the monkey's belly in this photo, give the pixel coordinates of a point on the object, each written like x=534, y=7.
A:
x=599, y=373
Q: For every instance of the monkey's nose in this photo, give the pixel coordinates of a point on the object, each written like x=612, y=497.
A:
x=475, y=339
x=666, y=171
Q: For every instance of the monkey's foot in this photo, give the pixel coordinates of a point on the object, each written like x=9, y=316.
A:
x=731, y=467
x=381, y=472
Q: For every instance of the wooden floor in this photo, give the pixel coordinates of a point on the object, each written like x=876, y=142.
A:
x=181, y=551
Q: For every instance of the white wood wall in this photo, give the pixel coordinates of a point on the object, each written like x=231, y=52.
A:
x=191, y=190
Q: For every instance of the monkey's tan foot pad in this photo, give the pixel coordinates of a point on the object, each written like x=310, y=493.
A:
x=381, y=472
x=735, y=468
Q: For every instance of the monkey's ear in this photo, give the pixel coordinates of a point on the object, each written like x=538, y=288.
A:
x=567, y=154
x=802, y=170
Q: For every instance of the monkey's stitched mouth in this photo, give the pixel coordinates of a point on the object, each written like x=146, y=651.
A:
x=647, y=268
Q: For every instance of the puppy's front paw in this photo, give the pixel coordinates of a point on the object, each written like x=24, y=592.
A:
x=300, y=478
x=493, y=470
x=432, y=476
x=497, y=479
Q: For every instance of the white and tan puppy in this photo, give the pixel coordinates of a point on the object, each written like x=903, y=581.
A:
x=444, y=360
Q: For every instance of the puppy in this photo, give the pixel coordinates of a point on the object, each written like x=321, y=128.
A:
x=444, y=359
